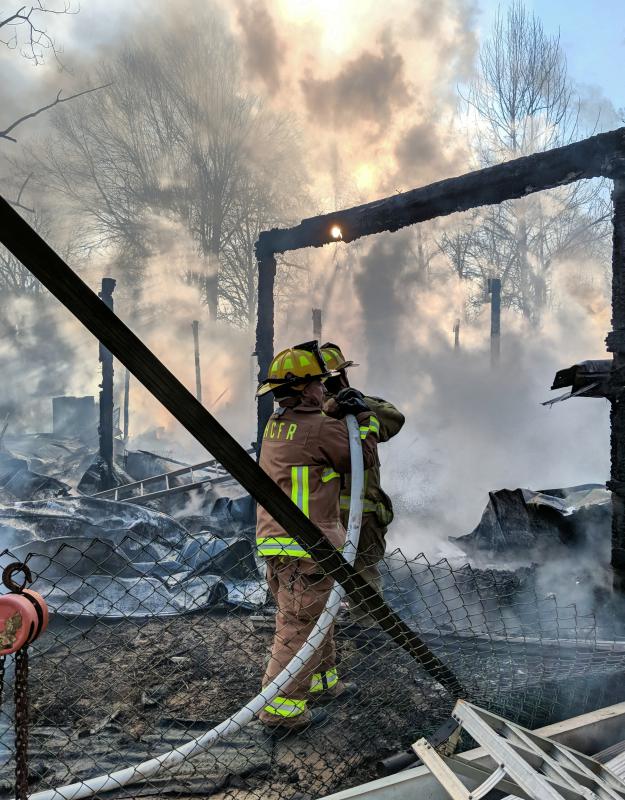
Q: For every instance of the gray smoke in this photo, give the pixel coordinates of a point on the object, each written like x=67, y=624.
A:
x=263, y=48
x=369, y=88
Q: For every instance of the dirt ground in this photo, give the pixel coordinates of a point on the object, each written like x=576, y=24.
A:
x=109, y=695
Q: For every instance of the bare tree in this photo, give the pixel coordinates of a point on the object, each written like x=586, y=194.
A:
x=15, y=280
x=522, y=102
x=24, y=30
x=178, y=135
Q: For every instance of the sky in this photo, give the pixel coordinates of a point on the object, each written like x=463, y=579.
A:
x=592, y=36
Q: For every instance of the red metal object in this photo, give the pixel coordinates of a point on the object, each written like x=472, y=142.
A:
x=23, y=612
x=18, y=623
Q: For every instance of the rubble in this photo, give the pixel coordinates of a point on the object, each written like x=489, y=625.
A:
x=111, y=560
x=529, y=524
x=19, y=482
x=99, y=476
x=64, y=459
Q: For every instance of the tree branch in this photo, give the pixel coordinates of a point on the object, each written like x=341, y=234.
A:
x=17, y=203
x=57, y=101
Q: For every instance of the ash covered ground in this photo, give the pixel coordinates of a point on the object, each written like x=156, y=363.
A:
x=161, y=626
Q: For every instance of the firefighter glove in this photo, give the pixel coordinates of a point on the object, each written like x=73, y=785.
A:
x=351, y=401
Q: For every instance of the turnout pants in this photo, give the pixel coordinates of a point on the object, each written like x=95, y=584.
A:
x=300, y=590
x=370, y=552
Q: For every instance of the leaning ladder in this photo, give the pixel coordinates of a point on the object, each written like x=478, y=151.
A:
x=526, y=765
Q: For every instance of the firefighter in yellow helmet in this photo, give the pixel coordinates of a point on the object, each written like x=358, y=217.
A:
x=305, y=452
x=377, y=509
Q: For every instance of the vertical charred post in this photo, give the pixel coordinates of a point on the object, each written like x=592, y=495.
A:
x=494, y=289
x=126, y=404
x=317, y=324
x=456, y=332
x=105, y=429
x=264, y=334
x=616, y=345
x=196, y=349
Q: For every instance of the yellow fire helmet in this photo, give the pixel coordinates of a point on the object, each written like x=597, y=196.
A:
x=334, y=358
x=304, y=362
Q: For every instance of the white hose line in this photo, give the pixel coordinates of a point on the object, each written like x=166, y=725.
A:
x=233, y=724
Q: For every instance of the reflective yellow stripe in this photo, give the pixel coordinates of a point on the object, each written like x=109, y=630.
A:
x=328, y=475
x=280, y=546
x=373, y=426
x=286, y=707
x=305, y=491
x=321, y=681
x=368, y=506
x=300, y=489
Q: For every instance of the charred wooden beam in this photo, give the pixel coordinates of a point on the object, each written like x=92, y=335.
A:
x=616, y=345
x=264, y=337
x=105, y=429
x=589, y=158
x=317, y=324
x=195, y=325
x=494, y=289
x=50, y=269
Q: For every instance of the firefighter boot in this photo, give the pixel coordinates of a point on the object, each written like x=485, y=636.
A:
x=312, y=717
x=340, y=691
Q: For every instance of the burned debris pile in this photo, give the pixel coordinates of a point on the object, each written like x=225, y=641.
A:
x=525, y=524
x=114, y=560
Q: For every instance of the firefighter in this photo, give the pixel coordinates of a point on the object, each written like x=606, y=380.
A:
x=305, y=452
x=377, y=508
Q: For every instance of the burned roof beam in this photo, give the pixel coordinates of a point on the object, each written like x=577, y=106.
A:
x=589, y=158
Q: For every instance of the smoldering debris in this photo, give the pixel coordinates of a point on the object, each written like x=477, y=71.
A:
x=101, y=559
x=64, y=459
x=523, y=524
x=19, y=482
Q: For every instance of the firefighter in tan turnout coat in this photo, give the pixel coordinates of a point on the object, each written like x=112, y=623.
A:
x=305, y=452
x=377, y=506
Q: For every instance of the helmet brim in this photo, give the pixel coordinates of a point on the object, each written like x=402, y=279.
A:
x=264, y=388
x=346, y=365
x=298, y=383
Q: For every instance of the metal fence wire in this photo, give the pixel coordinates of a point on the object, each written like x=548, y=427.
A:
x=139, y=659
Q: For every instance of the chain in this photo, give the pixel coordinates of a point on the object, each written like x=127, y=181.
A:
x=21, y=724
x=1, y=679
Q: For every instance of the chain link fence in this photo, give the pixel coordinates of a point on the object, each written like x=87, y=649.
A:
x=155, y=638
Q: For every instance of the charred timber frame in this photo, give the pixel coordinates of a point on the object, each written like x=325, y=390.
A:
x=53, y=273
x=616, y=345
x=105, y=428
x=602, y=155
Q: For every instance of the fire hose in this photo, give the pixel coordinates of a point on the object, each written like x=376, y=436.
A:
x=247, y=713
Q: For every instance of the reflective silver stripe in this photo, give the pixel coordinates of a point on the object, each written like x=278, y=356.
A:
x=280, y=546
x=286, y=707
x=373, y=426
x=321, y=681
x=300, y=490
